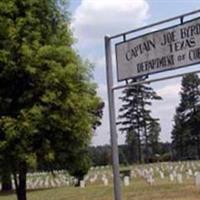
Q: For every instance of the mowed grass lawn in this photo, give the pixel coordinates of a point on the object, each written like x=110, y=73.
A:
x=138, y=190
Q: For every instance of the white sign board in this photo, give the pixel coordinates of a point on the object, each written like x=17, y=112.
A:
x=158, y=51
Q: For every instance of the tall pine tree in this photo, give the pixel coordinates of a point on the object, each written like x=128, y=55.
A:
x=135, y=118
x=186, y=134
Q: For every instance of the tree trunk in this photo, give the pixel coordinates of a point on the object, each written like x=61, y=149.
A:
x=146, y=145
x=139, y=148
x=180, y=149
x=6, y=181
x=198, y=147
x=20, y=182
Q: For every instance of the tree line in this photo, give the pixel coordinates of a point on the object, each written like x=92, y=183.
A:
x=102, y=155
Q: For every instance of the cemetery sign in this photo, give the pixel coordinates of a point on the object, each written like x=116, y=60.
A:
x=166, y=49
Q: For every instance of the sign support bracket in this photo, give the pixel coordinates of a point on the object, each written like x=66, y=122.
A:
x=181, y=19
x=154, y=80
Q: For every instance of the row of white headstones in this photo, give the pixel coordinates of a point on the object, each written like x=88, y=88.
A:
x=175, y=172
x=46, y=180
x=148, y=175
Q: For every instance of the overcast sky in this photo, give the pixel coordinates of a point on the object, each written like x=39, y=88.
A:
x=93, y=19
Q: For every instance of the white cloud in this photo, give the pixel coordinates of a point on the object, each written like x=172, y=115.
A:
x=170, y=93
x=93, y=19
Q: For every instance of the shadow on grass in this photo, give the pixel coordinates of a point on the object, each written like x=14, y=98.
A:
x=7, y=193
x=30, y=190
x=43, y=189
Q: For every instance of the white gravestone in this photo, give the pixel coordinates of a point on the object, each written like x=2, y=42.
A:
x=82, y=184
x=126, y=181
x=179, y=178
x=150, y=180
x=197, y=180
x=190, y=172
x=105, y=181
x=171, y=177
x=162, y=175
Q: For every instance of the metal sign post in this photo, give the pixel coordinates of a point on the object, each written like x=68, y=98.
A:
x=113, y=131
x=166, y=49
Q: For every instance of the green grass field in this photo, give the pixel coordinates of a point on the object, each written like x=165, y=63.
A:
x=139, y=189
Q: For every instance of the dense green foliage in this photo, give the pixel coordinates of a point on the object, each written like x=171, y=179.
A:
x=101, y=155
x=186, y=130
x=136, y=120
x=48, y=105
